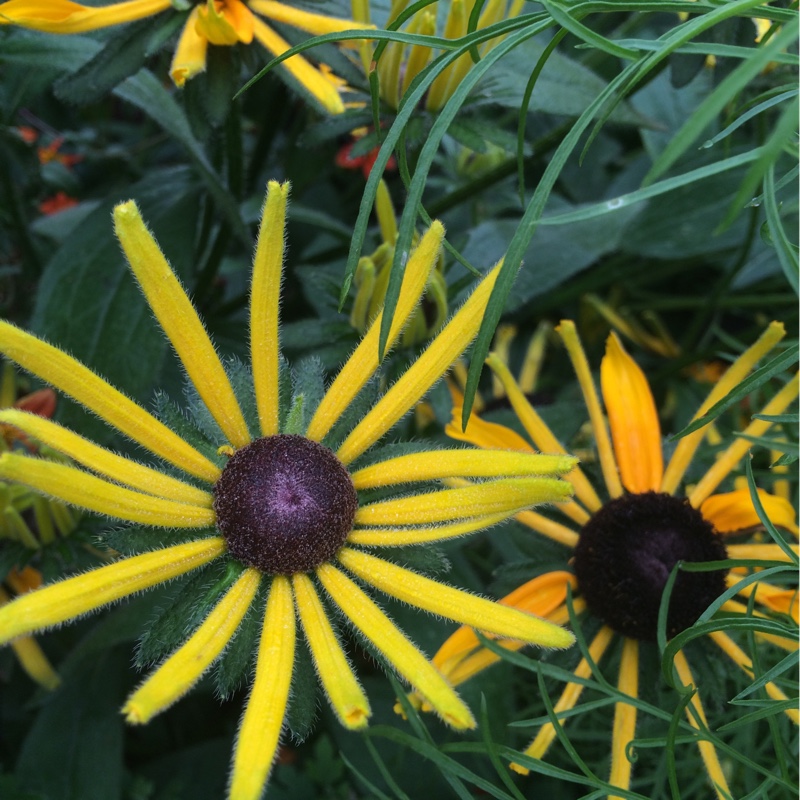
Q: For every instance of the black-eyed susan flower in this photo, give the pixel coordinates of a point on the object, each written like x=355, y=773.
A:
x=214, y=22
x=281, y=490
x=400, y=64
x=623, y=549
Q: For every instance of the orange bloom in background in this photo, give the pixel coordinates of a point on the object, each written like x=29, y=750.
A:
x=58, y=202
x=624, y=549
x=215, y=22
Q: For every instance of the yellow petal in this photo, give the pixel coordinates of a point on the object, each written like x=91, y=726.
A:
x=569, y=697
x=734, y=511
x=733, y=455
x=569, y=335
x=437, y=464
x=225, y=23
x=316, y=24
x=70, y=598
x=398, y=537
x=439, y=356
x=783, y=601
x=63, y=16
x=180, y=322
x=734, y=375
x=261, y=725
x=738, y=656
x=399, y=651
x=624, y=717
x=190, y=54
x=540, y=434
x=361, y=365
x=314, y=81
x=693, y=714
x=120, y=469
x=265, y=295
x=30, y=656
x=344, y=692
x=539, y=596
x=72, y=378
x=491, y=497
x=484, y=434
x=633, y=420
x=549, y=528
x=81, y=489
x=451, y=603
x=184, y=668
x=760, y=552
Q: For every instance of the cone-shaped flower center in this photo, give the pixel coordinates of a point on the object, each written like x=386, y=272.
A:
x=284, y=504
x=626, y=553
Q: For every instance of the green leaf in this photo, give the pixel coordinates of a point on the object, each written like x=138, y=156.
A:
x=732, y=85
x=787, y=252
x=74, y=748
x=774, y=367
x=123, y=55
x=89, y=304
x=147, y=93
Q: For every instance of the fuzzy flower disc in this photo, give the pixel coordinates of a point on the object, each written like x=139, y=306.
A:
x=626, y=553
x=284, y=504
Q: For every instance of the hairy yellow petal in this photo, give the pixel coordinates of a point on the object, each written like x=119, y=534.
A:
x=696, y=717
x=177, y=316
x=81, y=489
x=624, y=717
x=63, y=16
x=439, y=356
x=184, y=668
x=481, y=499
x=734, y=375
x=265, y=295
x=452, y=603
x=70, y=598
x=633, y=419
x=120, y=469
x=437, y=464
x=190, y=54
x=398, y=650
x=344, y=692
x=313, y=81
x=361, y=365
x=316, y=24
x=260, y=730
x=74, y=379
x=396, y=537
x=540, y=434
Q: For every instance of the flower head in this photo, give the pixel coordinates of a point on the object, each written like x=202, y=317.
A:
x=624, y=549
x=212, y=22
x=276, y=484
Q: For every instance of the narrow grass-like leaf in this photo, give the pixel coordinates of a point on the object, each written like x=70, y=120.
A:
x=787, y=253
x=783, y=134
x=780, y=445
x=708, y=110
x=784, y=665
x=757, y=379
x=592, y=38
x=491, y=751
x=760, y=108
x=765, y=520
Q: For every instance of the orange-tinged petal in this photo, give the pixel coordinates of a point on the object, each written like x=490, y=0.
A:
x=489, y=435
x=227, y=24
x=734, y=511
x=63, y=16
x=633, y=419
x=190, y=54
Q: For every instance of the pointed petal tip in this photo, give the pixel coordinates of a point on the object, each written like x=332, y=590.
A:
x=356, y=718
x=133, y=714
x=126, y=210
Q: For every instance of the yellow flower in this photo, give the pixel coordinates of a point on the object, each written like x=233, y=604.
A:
x=400, y=63
x=624, y=549
x=281, y=495
x=216, y=22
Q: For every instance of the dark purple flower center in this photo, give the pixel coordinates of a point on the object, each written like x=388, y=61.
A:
x=626, y=553
x=284, y=504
